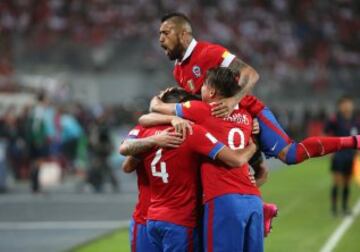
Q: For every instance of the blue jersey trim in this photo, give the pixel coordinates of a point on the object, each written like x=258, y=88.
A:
x=178, y=110
x=212, y=154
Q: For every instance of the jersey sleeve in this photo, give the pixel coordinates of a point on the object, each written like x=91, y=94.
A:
x=135, y=132
x=220, y=55
x=203, y=142
x=252, y=104
x=195, y=111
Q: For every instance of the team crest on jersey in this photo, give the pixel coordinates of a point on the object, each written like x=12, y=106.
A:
x=196, y=71
x=190, y=84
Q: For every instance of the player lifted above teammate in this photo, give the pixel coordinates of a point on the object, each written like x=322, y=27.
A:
x=194, y=58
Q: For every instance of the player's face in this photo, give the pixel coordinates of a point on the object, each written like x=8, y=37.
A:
x=170, y=40
x=346, y=108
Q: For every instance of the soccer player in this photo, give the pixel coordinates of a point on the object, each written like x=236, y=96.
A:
x=173, y=211
x=233, y=207
x=194, y=58
x=219, y=83
x=139, y=240
x=343, y=124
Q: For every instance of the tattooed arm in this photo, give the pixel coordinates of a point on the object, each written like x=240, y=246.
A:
x=247, y=79
x=166, y=139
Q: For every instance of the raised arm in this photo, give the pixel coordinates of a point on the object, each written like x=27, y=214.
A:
x=134, y=147
x=248, y=76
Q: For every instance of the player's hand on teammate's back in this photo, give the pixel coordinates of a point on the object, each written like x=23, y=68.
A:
x=223, y=108
x=168, y=139
x=182, y=126
x=256, y=127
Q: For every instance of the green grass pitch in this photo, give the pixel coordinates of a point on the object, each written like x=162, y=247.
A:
x=304, y=222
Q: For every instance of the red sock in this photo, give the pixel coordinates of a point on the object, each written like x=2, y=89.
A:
x=320, y=146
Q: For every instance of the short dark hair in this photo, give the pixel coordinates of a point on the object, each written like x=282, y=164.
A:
x=178, y=95
x=224, y=80
x=177, y=17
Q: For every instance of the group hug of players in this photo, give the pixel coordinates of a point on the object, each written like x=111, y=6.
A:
x=191, y=154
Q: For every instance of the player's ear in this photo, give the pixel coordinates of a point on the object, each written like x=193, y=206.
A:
x=212, y=92
x=182, y=37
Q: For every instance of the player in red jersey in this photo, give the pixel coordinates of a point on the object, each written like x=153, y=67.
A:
x=139, y=240
x=220, y=83
x=193, y=59
x=173, y=212
x=233, y=208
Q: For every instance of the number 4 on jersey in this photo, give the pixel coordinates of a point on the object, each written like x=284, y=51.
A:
x=162, y=173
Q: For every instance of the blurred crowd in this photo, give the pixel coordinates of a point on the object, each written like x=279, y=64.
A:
x=280, y=35
x=79, y=139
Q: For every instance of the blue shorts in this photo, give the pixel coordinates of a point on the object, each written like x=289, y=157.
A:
x=234, y=222
x=139, y=240
x=169, y=237
x=272, y=136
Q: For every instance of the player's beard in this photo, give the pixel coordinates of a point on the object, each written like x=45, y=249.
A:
x=177, y=52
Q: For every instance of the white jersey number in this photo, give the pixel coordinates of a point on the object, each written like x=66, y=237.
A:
x=162, y=173
x=231, y=138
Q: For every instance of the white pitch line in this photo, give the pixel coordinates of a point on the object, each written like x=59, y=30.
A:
x=340, y=231
x=63, y=225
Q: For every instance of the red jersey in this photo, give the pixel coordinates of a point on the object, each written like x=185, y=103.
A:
x=234, y=131
x=174, y=177
x=142, y=205
x=199, y=57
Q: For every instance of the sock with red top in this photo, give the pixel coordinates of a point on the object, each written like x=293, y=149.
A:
x=318, y=146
